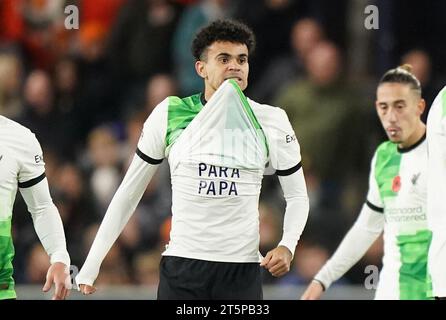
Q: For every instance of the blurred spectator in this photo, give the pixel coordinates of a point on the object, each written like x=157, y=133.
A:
x=105, y=165
x=11, y=105
x=158, y=88
x=146, y=267
x=305, y=35
x=102, y=12
x=268, y=19
x=76, y=205
x=133, y=130
x=140, y=46
x=422, y=69
x=193, y=18
x=40, y=115
x=11, y=21
x=97, y=94
x=67, y=104
x=326, y=114
x=42, y=29
x=37, y=265
x=309, y=260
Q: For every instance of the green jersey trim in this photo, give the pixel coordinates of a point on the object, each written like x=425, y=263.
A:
x=180, y=114
x=250, y=114
x=387, y=168
x=6, y=257
x=413, y=273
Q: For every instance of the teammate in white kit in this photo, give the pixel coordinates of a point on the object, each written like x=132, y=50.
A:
x=436, y=186
x=396, y=200
x=22, y=167
x=218, y=144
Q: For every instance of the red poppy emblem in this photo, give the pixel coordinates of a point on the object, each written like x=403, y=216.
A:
x=396, y=184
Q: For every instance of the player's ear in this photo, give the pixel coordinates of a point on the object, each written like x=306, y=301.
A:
x=421, y=106
x=200, y=68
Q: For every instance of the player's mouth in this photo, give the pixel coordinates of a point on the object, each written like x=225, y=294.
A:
x=393, y=131
x=235, y=78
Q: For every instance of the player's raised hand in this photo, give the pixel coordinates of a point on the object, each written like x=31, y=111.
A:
x=277, y=261
x=59, y=275
x=86, y=289
x=314, y=291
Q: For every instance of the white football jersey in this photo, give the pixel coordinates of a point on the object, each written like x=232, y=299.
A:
x=21, y=165
x=436, y=138
x=218, y=152
x=397, y=187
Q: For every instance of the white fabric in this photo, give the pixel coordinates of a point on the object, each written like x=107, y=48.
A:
x=47, y=221
x=217, y=165
x=21, y=160
x=297, y=207
x=436, y=138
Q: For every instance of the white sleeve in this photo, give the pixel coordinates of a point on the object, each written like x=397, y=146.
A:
x=283, y=145
x=121, y=208
x=355, y=244
x=297, y=206
x=152, y=143
x=47, y=221
x=32, y=166
x=35, y=191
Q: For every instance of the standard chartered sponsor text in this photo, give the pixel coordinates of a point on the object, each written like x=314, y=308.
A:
x=405, y=214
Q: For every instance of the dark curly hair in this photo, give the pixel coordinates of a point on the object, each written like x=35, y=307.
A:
x=402, y=74
x=222, y=30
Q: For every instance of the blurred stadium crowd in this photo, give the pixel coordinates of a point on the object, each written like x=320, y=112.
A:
x=86, y=94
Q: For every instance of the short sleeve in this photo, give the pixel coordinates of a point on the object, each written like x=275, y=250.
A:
x=32, y=166
x=152, y=143
x=283, y=145
x=374, y=200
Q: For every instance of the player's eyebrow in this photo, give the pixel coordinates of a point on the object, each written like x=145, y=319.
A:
x=227, y=55
x=392, y=102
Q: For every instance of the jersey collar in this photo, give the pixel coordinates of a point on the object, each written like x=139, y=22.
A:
x=416, y=144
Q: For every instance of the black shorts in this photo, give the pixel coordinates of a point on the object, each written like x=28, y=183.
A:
x=189, y=279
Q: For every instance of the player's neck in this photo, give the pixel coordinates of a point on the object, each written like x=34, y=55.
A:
x=208, y=93
x=417, y=135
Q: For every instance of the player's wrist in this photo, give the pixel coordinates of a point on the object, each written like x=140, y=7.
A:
x=320, y=283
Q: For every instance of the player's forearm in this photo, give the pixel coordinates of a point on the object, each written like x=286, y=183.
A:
x=297, y=207
x=118, y=213
x=47, y=221
x=355, y=244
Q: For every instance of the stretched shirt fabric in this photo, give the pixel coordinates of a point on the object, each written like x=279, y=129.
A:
x=22, y=167
x=217, y=155
x=436, y=139
x=396, y=204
